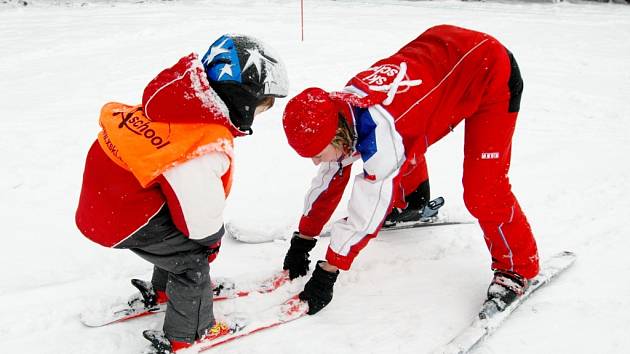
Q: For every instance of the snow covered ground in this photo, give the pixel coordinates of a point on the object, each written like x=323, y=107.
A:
x=409, y=291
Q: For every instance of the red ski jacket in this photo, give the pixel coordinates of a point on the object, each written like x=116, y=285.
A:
x=175, y=149
x=423, y=91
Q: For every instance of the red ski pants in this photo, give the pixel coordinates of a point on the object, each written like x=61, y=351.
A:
x=488, y=193
x=487, y=152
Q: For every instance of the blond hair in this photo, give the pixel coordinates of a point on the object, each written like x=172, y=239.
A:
x=267, y=101
x=344, y=139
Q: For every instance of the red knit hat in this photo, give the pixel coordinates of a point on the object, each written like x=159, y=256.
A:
x=311, y=118
x=310, y=121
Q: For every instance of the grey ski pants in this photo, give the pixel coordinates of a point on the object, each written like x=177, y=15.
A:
x=181, y=269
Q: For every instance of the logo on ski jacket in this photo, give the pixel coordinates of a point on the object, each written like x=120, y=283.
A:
x=140, y=124
x=383, y=75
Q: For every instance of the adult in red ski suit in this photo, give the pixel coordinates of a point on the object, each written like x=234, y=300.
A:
x=387, y=116
x=157, y=177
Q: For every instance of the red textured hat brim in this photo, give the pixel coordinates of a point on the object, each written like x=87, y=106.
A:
x=310, y=121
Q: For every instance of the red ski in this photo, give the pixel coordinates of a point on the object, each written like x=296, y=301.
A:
x=234, y=326
x=288, y=311
x=223, y=288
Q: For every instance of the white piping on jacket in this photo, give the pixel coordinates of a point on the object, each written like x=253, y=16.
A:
x=443, y=79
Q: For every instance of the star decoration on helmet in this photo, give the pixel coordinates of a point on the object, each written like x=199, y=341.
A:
x=256, y=59
x=226, y=70
x=216, y=50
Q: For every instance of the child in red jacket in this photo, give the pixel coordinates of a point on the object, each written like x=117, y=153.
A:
x=157, y=177
x=387, y=116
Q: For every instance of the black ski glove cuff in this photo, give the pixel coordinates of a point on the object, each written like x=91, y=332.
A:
x=318, y=291
x=296, y=260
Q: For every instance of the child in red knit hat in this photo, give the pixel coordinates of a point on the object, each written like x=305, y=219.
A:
x=387, y=116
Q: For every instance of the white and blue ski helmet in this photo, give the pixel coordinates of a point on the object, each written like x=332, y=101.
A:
x=244, y=71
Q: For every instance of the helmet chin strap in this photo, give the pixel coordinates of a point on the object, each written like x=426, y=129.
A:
x=247, y=131
x=240, y=103
x=238, y=122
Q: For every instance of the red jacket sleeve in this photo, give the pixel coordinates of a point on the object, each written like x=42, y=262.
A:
x=324, y=196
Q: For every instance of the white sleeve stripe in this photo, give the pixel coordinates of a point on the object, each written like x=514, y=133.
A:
x=370, y=200
x=199, y=190
x=346, y=233
x=321, y=181
x=360, y=235
x=397, y=146
x=319, y=184
x=377, y=215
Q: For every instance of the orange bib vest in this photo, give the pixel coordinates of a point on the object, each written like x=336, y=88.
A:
x=147, y=148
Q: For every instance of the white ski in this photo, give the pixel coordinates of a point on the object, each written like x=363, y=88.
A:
x=261, y=234
x=246, y=235
x=480, y=329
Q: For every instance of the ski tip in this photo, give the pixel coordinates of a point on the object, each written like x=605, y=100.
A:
x=89, y=322
x=293, y=308
x=566, y=255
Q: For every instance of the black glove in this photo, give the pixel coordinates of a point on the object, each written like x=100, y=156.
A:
x=318, y=291
x=296, y=260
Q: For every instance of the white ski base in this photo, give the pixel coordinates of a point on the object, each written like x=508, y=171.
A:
x=247, y=235
x=480, y=329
